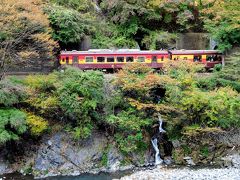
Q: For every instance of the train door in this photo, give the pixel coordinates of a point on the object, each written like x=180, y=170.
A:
x=154, y=59
x=75, y=59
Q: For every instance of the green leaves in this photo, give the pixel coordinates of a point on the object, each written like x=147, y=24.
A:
x=69, y=26
x=222, y=21
x=12, y=124
x=80, y=93
x=11, y=94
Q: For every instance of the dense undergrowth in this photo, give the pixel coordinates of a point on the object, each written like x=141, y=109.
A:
x=77, y=101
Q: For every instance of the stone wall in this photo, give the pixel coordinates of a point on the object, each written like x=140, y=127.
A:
x=193, y=41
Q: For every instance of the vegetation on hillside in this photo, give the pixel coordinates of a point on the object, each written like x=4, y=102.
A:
x=75, y=99
x=31, y=31
x=24, y=35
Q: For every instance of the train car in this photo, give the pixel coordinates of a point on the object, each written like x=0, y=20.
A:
x=116, y=59
x=112, y=59
x=208, y=57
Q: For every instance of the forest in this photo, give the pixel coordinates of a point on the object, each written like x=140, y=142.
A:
x=192, y=103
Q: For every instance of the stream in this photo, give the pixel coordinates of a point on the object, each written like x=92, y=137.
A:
x=100, y=176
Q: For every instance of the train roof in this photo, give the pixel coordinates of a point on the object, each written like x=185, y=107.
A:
x=194, y=52
x=137, y=51
x=108, y=51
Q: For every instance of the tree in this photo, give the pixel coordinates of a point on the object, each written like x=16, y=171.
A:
x=221, y=19
x=80, y=94
x=69, y=26
x=25, y=34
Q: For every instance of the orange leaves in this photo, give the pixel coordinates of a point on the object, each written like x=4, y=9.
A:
x=137, y=77
x=28, y=54
x=151, y=106
x=26, y=32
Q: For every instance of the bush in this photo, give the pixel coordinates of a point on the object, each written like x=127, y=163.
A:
x=131, y=143
x=11, y=94
x=12, y=124
x=41, y=83
x=36, y=124
x=80, y=93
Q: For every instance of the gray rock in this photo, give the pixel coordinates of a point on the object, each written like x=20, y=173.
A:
x=60, y=154
x=168, y=160
x=114, y=159
x=176, y=143
x=231, y=161
x=189, y=161
x=3, y=167
x=186, y=174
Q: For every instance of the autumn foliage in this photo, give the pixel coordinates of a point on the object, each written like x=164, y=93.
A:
x=25, y=33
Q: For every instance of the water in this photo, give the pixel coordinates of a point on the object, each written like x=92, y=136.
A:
x=154, y=141
x=100, y=176
x=158, y=160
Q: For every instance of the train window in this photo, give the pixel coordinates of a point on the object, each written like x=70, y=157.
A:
x=67, y=59
x=185, y=58
x=162, y=58
x=100, y=59
x=141, y=59
x=75, y=59
x=63, y=61
x=120, y=59
x=110, y=59
x=154, y=59
x=129, y=59
x=197, y=58
x=88, y=59
x=209, y=58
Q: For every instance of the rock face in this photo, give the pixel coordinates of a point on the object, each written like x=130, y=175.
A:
x=59, y=154
x=4, y=166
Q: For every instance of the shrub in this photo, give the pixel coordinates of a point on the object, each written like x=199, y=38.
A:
x=41, y=83
x=131, y=143
x=80, y=93
x=11, y=94
x=36, y=124
x=12, y=124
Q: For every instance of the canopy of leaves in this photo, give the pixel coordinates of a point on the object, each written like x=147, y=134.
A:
x=222, y=20
x=25, y=33
x=69, y=26
x=72, y=95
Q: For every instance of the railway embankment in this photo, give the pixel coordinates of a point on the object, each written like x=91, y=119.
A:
x=73, y=122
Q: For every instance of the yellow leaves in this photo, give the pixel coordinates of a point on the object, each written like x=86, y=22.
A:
x=41, y=82
x=45, y=38
x=196, y=130
x=28, y=54
x=144, y=106
x=24, y=23
x=36, y=124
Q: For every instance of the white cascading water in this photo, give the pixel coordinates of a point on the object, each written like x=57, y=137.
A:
x=154, y=141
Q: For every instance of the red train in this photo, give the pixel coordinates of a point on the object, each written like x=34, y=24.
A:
x=116, y=59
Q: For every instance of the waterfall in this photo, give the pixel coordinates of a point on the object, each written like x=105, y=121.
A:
x=158, y=160
x=161, y=130
x=154, y=141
